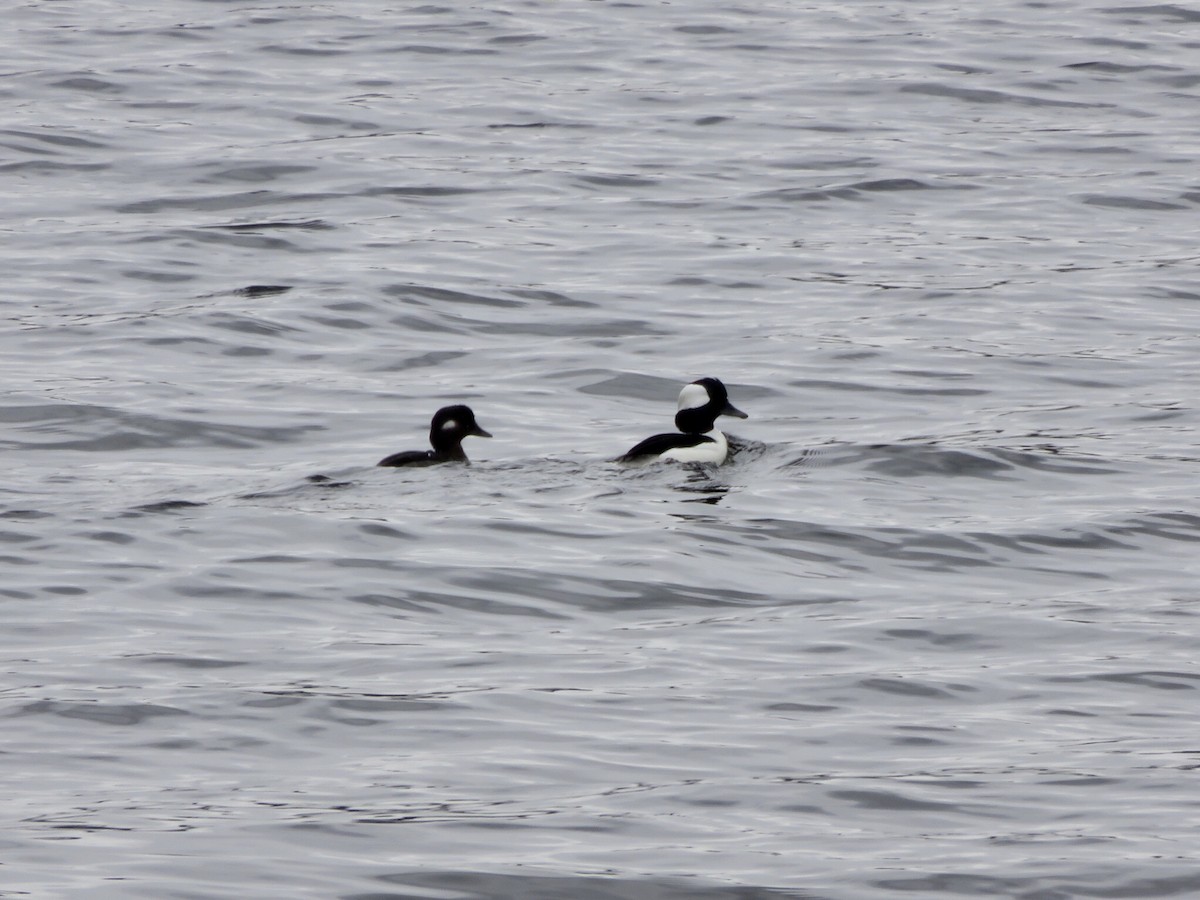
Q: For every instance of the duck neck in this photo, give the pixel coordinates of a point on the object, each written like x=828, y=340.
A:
x=447, y=449
x=694, y=421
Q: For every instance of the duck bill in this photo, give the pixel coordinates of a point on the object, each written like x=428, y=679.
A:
x=731, y=410
x=479, y=432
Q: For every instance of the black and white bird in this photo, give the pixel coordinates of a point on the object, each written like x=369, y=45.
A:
x=450, y=425
x=697, y=439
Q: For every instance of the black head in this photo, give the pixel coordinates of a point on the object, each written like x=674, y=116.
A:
x=449, y=426
x=700, y=403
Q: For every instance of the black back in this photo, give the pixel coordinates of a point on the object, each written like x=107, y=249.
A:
x=660, y=443
x=409, y=458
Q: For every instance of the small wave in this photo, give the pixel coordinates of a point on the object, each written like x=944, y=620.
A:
x=78, y=426
x=986, y=96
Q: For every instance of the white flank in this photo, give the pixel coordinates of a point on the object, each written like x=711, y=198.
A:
x=694, y=396
x=713, y=451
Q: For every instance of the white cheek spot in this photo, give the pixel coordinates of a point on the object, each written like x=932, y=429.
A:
x=450, y=425
x=693, y=396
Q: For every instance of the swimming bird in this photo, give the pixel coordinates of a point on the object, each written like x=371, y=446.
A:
x=697, y=441
x=446, y=432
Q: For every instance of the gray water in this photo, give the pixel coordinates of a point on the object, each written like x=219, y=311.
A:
x=931, y=633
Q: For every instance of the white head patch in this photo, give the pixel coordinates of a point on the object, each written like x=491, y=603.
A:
x=450, y=425
x=693, y=396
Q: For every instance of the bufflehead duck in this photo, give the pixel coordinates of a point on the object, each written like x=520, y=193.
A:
x=699, y=405
x=450, y=425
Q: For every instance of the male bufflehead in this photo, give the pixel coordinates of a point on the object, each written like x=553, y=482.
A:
x=450, y=425
x=699, y=405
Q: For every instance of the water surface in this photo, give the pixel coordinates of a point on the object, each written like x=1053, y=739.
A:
x=931, y=633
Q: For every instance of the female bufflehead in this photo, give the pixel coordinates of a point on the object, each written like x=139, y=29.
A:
x=450, y=425
x=699, y=405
